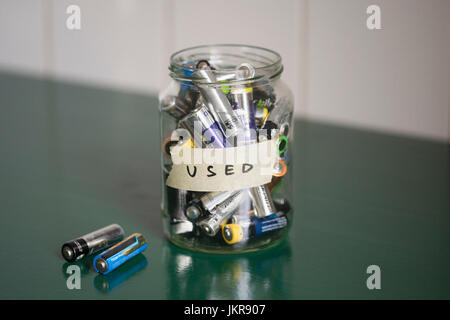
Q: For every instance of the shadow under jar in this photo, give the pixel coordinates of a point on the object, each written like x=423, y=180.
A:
x=220, y=97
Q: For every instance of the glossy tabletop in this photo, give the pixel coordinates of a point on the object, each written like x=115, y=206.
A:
x=75, y=158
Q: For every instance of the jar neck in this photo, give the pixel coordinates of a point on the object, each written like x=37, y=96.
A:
x=224, y=64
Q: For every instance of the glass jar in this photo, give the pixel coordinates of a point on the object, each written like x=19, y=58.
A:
x=226, y=134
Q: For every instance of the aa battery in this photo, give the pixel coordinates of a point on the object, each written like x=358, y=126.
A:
x=92, y=242
x=201, y=124
x=211, y=199
x=112, y=258
x=283, y=206
x=206, y=203
x=211, y=224
x=280, y=116
x=176, y=107
x=242, y=97
x=221, y=75
x=171, y=142
x=262, y=201
x=261, y=114
x=235, y=232
x=216, y=100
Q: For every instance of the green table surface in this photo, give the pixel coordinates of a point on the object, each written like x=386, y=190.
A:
x=76, y=158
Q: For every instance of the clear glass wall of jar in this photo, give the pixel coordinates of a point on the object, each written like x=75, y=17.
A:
x=220, y=97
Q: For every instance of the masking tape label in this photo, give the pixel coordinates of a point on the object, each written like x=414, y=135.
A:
x=225, y=169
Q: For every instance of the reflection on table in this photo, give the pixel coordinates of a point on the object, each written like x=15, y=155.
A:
x=193, y=275
x=110, y=281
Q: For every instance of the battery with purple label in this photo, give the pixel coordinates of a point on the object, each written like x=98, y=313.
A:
x=204, y=130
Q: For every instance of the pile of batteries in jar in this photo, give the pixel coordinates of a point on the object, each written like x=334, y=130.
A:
x=225, y=113
x=114, y=250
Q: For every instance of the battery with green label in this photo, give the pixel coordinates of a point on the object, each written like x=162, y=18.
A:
x=112, y=258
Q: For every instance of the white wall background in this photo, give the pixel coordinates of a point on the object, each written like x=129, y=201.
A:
x=395, y=79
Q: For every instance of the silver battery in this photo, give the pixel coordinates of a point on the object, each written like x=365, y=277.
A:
x=242, y=97
x=201, y=103
x=211, y=224
x=223, y=76
x=202, y=119
x=212, y=199
x=92, y=242
x=243, y=94
x=260, y=195
x=206, y=203
x=216, y=100
x=262, y=201
x=175, y=107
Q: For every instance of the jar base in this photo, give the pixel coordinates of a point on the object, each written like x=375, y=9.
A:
x=253, y=246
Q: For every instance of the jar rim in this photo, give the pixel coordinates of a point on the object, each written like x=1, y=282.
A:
x=225, y=58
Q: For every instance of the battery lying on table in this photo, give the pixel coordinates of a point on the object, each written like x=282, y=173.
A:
x=112, y=258
x=92, y=242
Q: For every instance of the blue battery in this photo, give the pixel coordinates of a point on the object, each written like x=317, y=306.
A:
x=268, y=224
x=188, y=68
x=234, y=232
x=112, y=258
